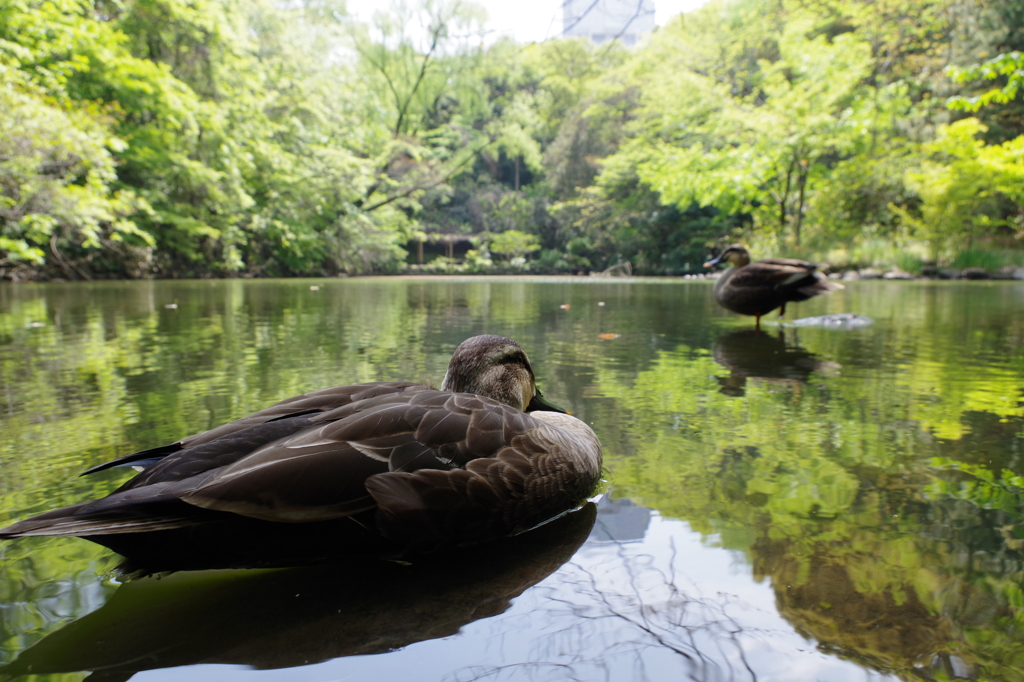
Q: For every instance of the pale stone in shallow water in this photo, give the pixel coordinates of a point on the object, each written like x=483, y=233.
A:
x=838, y=321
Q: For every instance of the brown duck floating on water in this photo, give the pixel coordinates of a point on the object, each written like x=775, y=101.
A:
x=760, y=287
x=389, y=467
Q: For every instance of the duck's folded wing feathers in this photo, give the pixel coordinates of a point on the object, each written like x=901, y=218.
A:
x=155, y=507
x=263, y=423
x=320, y=473
x=764, y=274
x=789, y=263
x=64, y=522
x=313, y=483
x=526, y=483
x=323, y=401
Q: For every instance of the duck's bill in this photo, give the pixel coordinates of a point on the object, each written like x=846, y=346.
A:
x=539, y=402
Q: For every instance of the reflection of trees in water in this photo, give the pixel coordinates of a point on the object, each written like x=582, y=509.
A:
x=675, y=622
x=909, y=569
x=831, y=598
x=620, y=612
x=937, y=616
x=925, y=586
x=899, y=573
x=39, y=591
x=671, y=627
x=912, y=582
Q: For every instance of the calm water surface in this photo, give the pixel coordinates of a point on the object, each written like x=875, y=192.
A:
x=804, y=504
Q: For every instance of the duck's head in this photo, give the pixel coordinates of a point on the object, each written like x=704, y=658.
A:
x=736, y=254
x=497, y=368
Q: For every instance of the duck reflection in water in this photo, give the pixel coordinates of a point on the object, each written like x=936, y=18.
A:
x=292, y=617
x=751, y=354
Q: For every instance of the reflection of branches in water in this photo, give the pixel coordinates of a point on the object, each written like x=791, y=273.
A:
x=536, y=666
x=621, y=609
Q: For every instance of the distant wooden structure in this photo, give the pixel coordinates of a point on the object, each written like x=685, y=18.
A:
x=449, y=242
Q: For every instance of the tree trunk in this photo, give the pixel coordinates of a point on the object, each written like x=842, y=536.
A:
x=805, y=170
x=785, y=196
x=517, y=174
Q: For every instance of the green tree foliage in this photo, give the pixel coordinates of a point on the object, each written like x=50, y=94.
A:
x=966, y=187
x=1010, y=65
x=247, y=138
x=758, y=148
x=513, y=244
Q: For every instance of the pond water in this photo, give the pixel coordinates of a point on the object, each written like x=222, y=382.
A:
x=809, y=503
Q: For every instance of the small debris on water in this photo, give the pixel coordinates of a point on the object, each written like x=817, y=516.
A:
x=600, y=303
x=314, y=287
x=171, y=306
x=609, y=336
x=564, y=306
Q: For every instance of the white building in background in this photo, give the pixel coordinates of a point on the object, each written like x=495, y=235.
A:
x=604, y=20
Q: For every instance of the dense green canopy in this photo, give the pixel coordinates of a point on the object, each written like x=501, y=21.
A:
x=245, y=138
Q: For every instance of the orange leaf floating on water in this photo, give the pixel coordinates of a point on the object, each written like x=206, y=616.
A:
x=609, y=336
x=564, y=306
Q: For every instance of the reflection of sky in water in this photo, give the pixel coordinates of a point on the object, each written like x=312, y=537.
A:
x=619, y=521
x=662, y=606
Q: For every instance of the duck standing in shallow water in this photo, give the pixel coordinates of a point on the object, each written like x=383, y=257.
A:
x=388, y=467
x=760, y=287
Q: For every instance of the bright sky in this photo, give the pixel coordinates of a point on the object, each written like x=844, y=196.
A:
x=530, y=20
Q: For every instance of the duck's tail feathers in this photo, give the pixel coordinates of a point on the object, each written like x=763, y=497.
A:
x=64, y=522
x=820, y=286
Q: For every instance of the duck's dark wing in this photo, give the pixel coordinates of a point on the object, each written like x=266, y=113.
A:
x=242, y=436
x=789, y=263
x=316, y=473
x=321, y=472
x=775, y=273
x=797, y=280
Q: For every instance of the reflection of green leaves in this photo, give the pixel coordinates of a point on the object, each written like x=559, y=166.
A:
x=984, y=487
x=881, y=480
x=824, y=483
x=757, y=453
